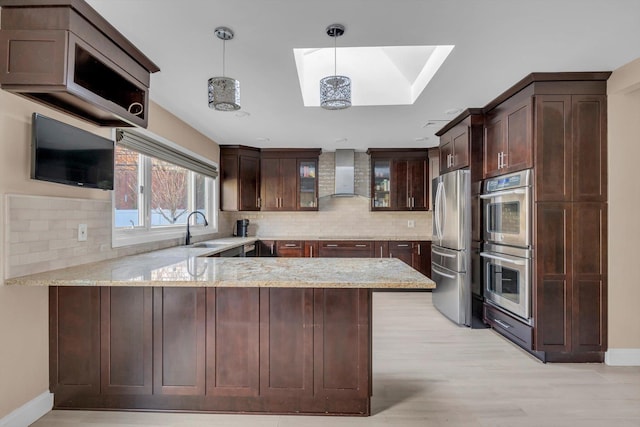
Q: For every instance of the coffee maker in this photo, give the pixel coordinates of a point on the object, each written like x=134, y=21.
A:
x=242, y=228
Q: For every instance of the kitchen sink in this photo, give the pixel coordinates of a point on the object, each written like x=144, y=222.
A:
x=210, y=245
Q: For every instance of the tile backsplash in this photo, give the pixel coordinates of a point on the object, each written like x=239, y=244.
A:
x=41, y=234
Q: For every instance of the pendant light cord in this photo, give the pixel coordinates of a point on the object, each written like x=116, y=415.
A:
x=224, y=44
x=335, y=56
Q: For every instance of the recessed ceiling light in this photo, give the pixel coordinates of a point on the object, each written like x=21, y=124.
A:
x=452, y=111
x=339, y=140
x=421, y=138
x=242, y=114
x=434, y=123
x=263, y=139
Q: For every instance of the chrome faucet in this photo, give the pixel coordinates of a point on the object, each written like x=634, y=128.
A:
x=188, y=239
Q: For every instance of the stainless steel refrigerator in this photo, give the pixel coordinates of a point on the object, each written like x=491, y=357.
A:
x=451, y=246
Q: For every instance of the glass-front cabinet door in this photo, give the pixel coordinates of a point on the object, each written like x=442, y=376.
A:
x=308, y=185
x=381, y=185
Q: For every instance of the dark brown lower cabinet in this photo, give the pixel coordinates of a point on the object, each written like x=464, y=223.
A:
x=261, y=350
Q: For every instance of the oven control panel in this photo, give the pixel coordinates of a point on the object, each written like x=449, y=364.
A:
x=504, y=182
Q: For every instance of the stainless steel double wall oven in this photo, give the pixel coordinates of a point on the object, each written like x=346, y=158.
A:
x=507, y=208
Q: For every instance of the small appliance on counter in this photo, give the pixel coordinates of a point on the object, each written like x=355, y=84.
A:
x=242, y=228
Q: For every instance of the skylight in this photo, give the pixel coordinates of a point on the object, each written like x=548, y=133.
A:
x=386, y=75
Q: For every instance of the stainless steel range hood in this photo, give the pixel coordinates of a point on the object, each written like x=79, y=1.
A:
x=345, y=173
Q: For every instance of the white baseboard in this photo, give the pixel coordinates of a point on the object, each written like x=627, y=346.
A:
x=619, y=357
x=30, y=412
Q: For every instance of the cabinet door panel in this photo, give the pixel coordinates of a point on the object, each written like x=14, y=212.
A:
x=270, y=184
x=232, y=341
x=590, y=148
x=417, y=173
x=446, y=151
x=553, y=148
x=179, y=341
x=421, y=257
x=341, y=342
x=399, y=185
x=553, y=277
x=229, y=179
x=590, y=281
x=74, y=322
x=493, y=145
x=461, y=147
x=249, y=183
x=289, y=184
x=126, y=348
x=518, y=152
x=286, y=342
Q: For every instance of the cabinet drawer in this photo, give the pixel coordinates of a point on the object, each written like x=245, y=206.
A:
x=516, y=331
x=346, y=249
x=290, y=248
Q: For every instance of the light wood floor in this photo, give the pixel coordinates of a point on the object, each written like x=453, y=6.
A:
x=429, y=372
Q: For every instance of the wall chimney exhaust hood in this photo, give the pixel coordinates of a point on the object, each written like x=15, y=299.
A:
x=345, y=173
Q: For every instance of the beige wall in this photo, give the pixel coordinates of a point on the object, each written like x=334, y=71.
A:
x=24, y=311
x=624, y=204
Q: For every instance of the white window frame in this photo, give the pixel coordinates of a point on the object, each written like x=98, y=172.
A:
x=121, y=237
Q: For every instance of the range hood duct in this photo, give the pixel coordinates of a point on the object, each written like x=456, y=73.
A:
x=345, y=173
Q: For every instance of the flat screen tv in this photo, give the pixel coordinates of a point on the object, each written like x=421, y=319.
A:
x=68, y=155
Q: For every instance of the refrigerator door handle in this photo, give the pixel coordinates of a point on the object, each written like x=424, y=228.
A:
x=443, y=207
x=437, y=210
x=435, y=251
x=442, y=273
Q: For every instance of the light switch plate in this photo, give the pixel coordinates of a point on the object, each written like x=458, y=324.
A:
x=82, y=232
x=411, y=223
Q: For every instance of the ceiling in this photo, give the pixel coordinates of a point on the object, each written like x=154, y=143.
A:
x=497, y=42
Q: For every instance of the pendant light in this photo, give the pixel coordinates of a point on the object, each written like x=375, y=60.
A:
x=335, y=91
x=224, y=92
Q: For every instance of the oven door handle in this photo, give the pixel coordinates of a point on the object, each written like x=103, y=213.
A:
x=441, y=273
x=435, y=251
x=503, y=193
x=510, y=260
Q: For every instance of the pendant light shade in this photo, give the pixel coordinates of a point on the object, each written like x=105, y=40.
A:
x=335, y=91
x=224, y=92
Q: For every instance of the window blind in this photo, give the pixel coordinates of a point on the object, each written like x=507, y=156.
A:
x=154, y=148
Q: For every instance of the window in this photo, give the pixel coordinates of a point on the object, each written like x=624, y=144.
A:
x=157, y=184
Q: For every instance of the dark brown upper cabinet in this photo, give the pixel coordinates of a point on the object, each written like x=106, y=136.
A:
x=240, y=178
x=508, y=137
x=461, y=143
x=399, y=179
x=63, y=54
x=289, y=179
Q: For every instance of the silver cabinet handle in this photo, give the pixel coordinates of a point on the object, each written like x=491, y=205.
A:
x=504, y=164
x=404, y=245
x=380, y=251
x=361, y=246
x=332, y=246
x=419, y=245
x=310, y=251
x=290, y=245
x=272, y=248
x=510, y=260
x=503, y=324
x=259, y=202
x=499, y=160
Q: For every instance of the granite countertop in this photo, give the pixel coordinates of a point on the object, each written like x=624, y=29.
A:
x=190, y=266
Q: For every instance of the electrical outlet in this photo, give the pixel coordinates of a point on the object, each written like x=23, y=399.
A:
x=411, y=223
x=82, y=232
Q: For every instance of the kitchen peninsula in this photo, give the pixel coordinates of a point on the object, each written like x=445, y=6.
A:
x=175, y=330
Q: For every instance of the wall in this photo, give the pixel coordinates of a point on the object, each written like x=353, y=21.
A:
x=338, y=217
x=39, y=223
x=623, y=92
